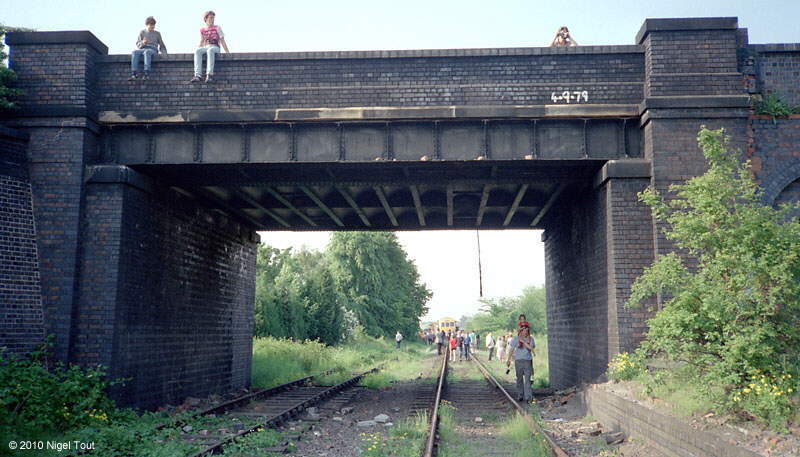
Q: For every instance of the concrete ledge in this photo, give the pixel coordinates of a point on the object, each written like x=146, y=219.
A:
x=396, y=54
x=374, y=114
x=774, y=47
x=14, y=134
x=118, y=174
x=669, y=435
x=59, y=37
x=686, y=24
x=692, y=101
x=48, y=111
x=623, y=169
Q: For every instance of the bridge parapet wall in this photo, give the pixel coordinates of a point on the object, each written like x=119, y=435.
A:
x=259, y=81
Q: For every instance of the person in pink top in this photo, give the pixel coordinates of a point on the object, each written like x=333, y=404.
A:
x=211, y=37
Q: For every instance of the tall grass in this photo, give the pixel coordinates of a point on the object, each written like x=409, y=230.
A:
x=277, y=361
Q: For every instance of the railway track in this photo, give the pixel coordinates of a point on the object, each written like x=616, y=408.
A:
x=267, y=408
x=474, y=398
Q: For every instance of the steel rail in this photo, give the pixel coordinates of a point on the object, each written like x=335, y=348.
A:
x=555, y=449
x=285, y=415
x=430, y=445
x=245, y=399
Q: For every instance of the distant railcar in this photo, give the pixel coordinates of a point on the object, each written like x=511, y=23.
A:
x=447, y=324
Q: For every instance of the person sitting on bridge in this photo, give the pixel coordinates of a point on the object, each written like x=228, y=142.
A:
x=148, y=44
x=563, y=38
x=211, y=37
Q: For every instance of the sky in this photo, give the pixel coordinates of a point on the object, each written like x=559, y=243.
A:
x=447, y=260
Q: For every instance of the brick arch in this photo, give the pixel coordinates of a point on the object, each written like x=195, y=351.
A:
x=776, y=182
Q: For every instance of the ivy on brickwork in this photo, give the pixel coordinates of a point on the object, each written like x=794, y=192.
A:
x=7, y=76
x=732, y=318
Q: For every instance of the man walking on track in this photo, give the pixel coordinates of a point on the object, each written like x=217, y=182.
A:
x=522, y=354
x=490, y=345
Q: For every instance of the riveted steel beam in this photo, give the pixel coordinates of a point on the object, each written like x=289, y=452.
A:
x=385, y=203
x=449, y=205
x=418, y=205
x=290, y=206
x=349, y=199
x=317, y=201
x=549, y=204
x=250, y=200
x=487, y=188
x=227, y=208
x=510, y=214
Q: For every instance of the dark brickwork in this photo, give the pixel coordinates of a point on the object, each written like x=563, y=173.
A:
x=577, y=297
x=58, y=151
x=164, y=284
x=671, y=146
x=252, y=83
x=777, y=70
x=21, y=320
x=691, y=58
x=66, y=61
x=774, y=152
x=629, y=232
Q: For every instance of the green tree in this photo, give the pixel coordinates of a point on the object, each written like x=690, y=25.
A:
x=380, y=283
x=268, y=321
x=734, y=311
x=7, y=76
x=296, y=296
x=502, y=313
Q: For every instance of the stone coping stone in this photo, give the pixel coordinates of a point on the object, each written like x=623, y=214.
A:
x=398, y=54
x=686, y=24
x=775, y=47
x=57, y=37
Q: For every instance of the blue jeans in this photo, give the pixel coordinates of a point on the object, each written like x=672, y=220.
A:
x=136, y=56
x=210, y=50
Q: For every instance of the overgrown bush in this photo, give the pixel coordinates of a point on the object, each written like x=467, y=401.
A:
x=736, y=313
x=34, y=398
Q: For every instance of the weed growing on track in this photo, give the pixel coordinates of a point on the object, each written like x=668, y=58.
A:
x=405, y=439
x=254, y=443
x=527, y=443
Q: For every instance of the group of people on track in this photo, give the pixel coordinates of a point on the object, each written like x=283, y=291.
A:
x=521, y=348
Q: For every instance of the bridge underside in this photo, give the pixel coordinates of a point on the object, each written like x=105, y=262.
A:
x=376, y=196
x=390, y=175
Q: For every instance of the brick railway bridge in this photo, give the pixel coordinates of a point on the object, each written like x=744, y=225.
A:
x=130, y=209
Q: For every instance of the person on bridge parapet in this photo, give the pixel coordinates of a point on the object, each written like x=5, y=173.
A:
x=563, y=38
x=211, y=37
x=148, y=44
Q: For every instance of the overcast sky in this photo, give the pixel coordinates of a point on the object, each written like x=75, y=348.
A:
x=447, y=260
